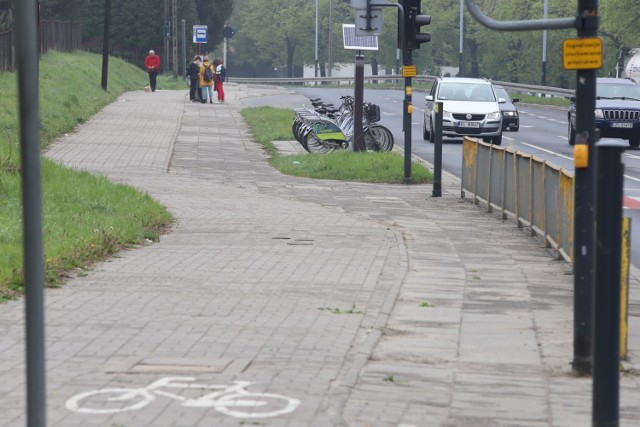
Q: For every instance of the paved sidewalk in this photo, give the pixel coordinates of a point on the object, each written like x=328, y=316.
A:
x=343, y=304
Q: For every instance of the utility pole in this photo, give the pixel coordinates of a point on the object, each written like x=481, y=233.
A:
x=174, y=36
x=461, y=57
x=544, y=49
x=330, y=39
x=165, y=36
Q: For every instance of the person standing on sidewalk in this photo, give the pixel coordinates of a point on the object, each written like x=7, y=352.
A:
x=221, y=75
x=193, y=72
x=207, y=75
x=152, y=65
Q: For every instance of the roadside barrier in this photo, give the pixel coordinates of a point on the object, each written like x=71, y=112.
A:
x=539, y=195
x=536, y=193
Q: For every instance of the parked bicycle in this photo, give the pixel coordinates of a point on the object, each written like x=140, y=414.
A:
x=233, y=400
x=325, y=129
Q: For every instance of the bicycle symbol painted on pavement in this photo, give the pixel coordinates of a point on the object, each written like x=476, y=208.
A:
x=233, y=400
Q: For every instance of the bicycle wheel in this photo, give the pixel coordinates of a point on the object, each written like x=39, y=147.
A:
x=318, y=146
x=383, y=137
x=371, y=141
x=123, y=399
x=295, y=129
x=255, y=405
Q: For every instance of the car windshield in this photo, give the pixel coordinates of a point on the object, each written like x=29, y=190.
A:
x=466, y=92
x=616, y=91
x=501, y=93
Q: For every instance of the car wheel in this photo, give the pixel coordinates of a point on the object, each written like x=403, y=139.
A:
x=426, y=135
x=634, y=141
x=515, y=127
x=572, y=133
x=497, y=140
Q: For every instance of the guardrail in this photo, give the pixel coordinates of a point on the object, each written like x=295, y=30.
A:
x=516, y=87
x=535, y=192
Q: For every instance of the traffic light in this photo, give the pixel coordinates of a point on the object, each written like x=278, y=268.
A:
x=419, y=21
x=413, y=20
x=228, y=32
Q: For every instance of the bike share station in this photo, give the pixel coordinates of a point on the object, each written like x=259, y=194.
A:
x=354, y=125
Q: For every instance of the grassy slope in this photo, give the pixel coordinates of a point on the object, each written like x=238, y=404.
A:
x=85, y=217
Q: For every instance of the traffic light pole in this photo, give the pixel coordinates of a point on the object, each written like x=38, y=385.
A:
x=407, y=114
x=583, y=215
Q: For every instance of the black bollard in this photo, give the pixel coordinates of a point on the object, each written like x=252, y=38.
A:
x=606, y=289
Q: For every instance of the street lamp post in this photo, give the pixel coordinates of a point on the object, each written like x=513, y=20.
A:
x=316, y=57
x=544, y=50
x=461, y=59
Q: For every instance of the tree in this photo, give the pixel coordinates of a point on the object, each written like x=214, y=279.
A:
x=278, y=27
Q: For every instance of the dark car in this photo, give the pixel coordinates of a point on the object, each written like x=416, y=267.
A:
x=510, y=116
x=617, y=111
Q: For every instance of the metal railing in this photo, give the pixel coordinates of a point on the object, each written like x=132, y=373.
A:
x=535, y=192
x=516, y=87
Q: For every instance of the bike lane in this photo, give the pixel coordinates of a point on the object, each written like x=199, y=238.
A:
x=341, y=303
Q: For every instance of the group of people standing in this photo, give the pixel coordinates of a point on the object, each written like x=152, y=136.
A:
x=205, y=78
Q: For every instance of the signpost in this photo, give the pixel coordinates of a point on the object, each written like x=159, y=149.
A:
x=199, y=35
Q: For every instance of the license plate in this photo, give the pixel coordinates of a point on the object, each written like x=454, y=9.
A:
x=621, y=125
x=469, y=124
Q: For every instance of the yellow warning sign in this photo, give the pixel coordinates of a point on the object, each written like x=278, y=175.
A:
x=409, y=71
x=583, y=53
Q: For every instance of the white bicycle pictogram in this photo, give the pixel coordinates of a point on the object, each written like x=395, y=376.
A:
x=233, y=400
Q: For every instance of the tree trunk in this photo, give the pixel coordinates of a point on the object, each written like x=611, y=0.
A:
x=291, y=49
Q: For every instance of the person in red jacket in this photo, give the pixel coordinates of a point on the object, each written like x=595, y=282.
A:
x=152, y=65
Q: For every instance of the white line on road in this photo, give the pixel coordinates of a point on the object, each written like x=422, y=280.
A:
x=547, y=151
x=571, y=158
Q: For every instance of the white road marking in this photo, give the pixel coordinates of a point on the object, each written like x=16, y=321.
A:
x=544, y=150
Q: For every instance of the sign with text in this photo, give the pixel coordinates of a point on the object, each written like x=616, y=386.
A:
x=199, y=33
x=409, y=71
x=583, y=53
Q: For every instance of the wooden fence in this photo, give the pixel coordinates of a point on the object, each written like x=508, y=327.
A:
x=63, y=36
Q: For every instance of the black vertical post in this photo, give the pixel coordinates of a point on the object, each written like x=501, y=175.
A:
x=583, y=235
x=27, y=55
x=358, y=99
x=408, y=108
x=437, y=153
x=105, y=43
x=606, y=292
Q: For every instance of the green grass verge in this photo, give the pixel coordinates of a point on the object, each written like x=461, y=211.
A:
x=85, y=217
x=274, y=124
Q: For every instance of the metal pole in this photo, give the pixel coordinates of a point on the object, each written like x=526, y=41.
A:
x=437, y=154
x=544, y=49
x=316, y=57
x=358, y=134
x=584, y=217
x=224, y=52
x=26, y=57
x=174, y=37
x=184, y=46
x=408, y=107
x=398, y=63
x=165, y=36
x=330, y=39
x=105, y=43
x=606, y=291
x=461, y=58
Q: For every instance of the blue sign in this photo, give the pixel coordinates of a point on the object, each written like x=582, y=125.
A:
x=199, y=33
